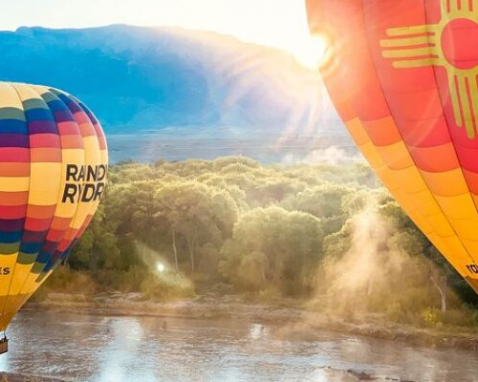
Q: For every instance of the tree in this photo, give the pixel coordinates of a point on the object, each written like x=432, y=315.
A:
x=282, y=247
x=98, y=247
x=324, y=202
x=195, y=214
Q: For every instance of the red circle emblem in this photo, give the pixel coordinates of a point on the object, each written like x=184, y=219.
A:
x=460, y=43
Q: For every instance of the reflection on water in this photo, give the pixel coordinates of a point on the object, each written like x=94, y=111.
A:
x=115, y=349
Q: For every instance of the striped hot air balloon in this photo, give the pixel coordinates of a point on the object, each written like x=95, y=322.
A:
x=53, y=164
x=403, y=75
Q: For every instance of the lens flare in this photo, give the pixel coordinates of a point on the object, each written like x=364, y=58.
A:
x=314, y=53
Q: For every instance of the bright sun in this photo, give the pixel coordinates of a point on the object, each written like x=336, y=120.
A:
x=314, y=52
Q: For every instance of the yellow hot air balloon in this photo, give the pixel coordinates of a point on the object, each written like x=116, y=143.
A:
x=403, y=75
x=53, y=165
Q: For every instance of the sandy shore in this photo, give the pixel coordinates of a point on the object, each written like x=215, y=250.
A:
x=291, y=317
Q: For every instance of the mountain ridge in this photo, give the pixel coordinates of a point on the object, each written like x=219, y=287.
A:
x=141, y=80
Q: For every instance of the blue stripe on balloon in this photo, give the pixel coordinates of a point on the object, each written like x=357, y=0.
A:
x=49, y=265
x=43, y=257
x=13, y=126
x=57, y=105
x=38, y=115
x=10, y=237
x=30, y=247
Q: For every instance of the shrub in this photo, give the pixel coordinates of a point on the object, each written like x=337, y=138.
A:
x=167, y=286
x=432, y=316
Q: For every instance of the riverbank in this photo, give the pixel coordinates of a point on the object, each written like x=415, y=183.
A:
x=291, y=317
x=9, y=377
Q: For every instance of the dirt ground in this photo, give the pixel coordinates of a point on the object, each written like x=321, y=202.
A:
x=7, y=377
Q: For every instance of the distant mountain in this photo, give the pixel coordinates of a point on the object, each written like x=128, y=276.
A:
x=157, y=79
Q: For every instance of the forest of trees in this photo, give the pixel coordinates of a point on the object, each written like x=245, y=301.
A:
x=330, y=234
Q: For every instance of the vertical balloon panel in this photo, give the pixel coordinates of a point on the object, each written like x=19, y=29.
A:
x=63, y=178
x=403, y=104
x=15, y=157
x=44, y=187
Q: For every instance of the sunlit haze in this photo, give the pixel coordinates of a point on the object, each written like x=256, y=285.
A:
x=281, y=24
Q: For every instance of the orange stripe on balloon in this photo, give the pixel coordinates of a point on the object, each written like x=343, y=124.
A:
x=14, y=169
x=382, y=132
x=41, y=212
x=19, y=198
x=71, y=142
x=45, y=155
x=436, y=159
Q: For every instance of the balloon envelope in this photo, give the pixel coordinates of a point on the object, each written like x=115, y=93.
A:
x=403, y=76
x=53, y=163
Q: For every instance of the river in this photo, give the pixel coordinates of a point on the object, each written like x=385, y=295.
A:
x=78, y=347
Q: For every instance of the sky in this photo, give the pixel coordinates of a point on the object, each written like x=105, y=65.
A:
x=277, y=23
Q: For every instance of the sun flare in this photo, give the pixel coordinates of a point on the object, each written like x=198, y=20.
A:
x=314, y=52
x=160, y=267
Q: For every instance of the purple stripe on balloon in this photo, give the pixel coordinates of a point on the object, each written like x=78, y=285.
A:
x=49, y=246
x=34, y=236
x=42, y=127
x=63, y=116
x=11, y=225
x=14, y=140
x=89, y=114
x=56, y=256
x=74, y=107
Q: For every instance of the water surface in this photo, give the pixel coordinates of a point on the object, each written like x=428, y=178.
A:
x=114, y=349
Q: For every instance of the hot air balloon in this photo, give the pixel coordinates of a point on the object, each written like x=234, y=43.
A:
x=403, y=76
x=53, y=164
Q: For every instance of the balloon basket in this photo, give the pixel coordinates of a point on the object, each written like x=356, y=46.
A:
x=3, y=345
